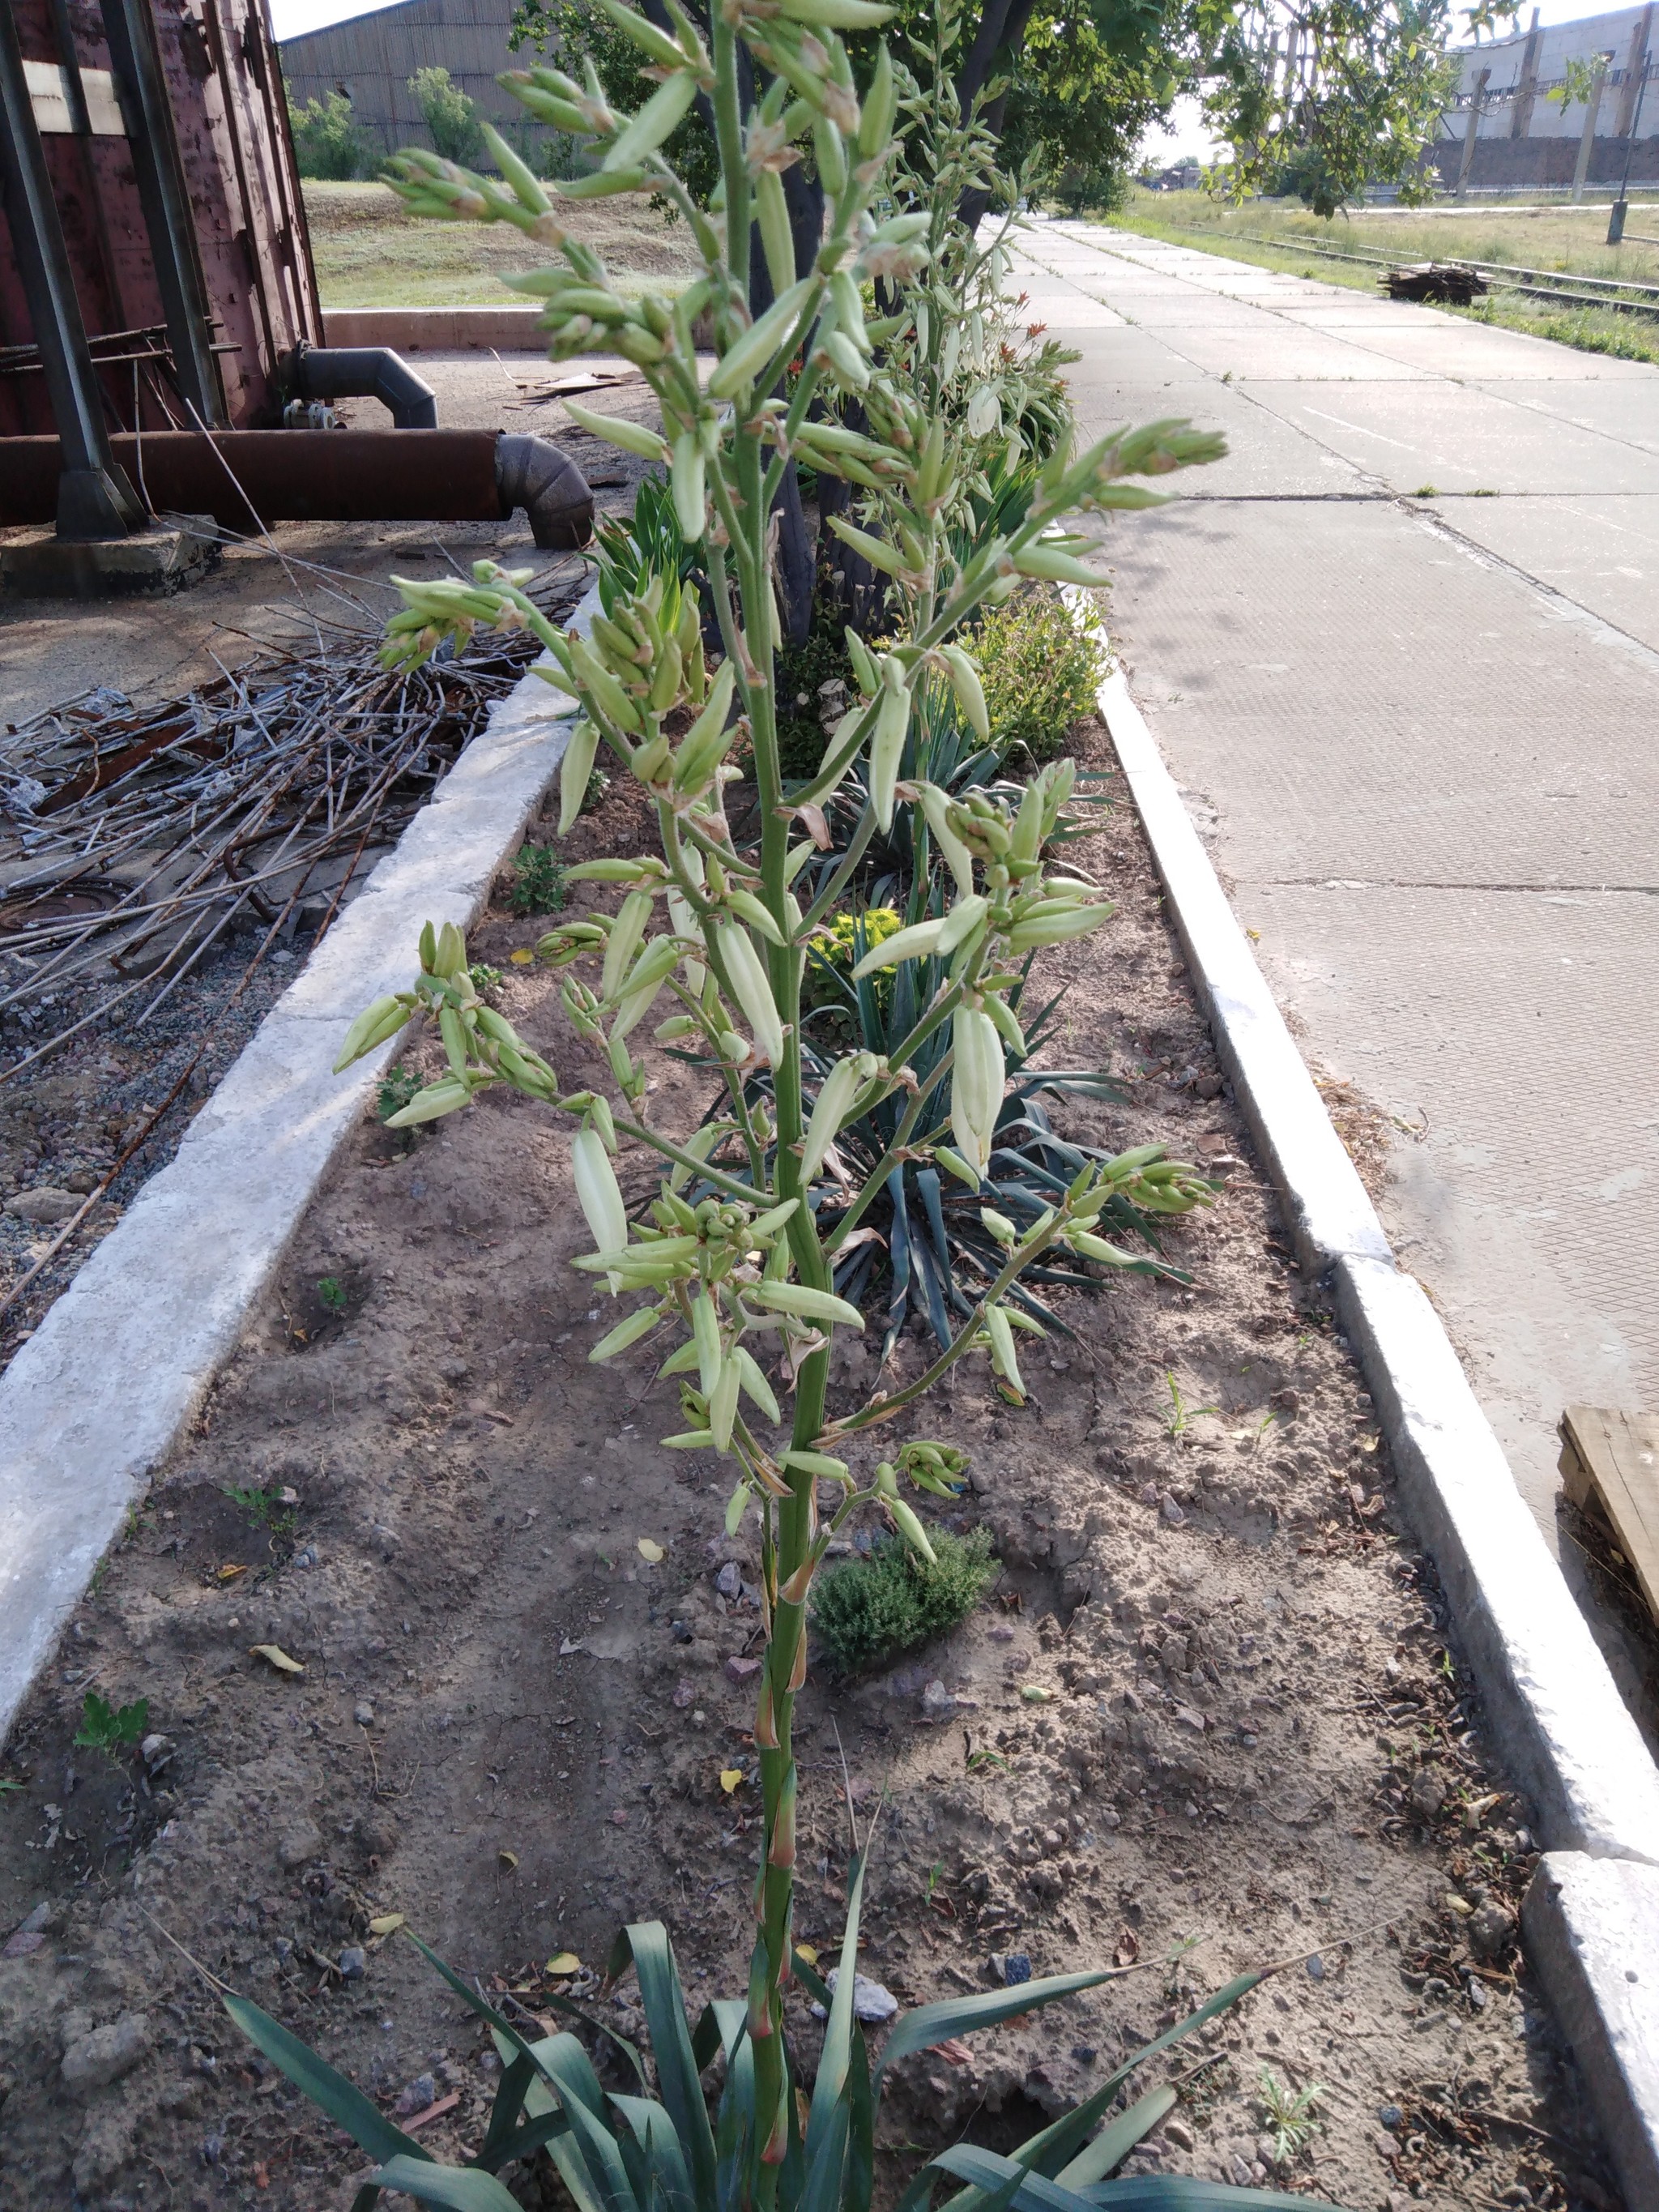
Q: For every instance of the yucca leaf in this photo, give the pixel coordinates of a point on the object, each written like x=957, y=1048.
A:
x=662, y=2152
x=347, y=2106
x=860, y=2127
x=826, y=2158
x=464, y=2188
x=486, y=2011
x=1049, y=2150
x=735, y=2142
x=1185, y=2192
x=808, y=1978
x=547, y=2116
x=932, y=2024
x=504, y=2111
x=1005, y=2181
x=1115, y=2140
x=721, y=2026
x=645, y=1943
x=828, y=2089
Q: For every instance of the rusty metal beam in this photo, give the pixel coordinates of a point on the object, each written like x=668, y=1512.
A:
x=285, y=475
x=86, y=493
x=136, y=63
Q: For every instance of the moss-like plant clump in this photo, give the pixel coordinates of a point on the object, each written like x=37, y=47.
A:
x=870, y=1610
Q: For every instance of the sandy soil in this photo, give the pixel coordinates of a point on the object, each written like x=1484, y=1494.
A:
x=511, y=1728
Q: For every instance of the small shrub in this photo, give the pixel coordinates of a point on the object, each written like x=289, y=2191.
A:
x=397, y=1088
x=851, y=936
x=1042, y=672
x=538, y=881
x=327, y=143
x=449, y=115
x=870, y=1610
x=110, y=1728
x=274, y=1510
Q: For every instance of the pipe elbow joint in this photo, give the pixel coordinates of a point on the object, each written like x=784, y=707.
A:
x=535, y=475
x=368, y=372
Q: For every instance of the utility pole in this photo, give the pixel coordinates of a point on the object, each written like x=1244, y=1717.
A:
x=1616, y=220
x=1476, y=98
x=1592, y=116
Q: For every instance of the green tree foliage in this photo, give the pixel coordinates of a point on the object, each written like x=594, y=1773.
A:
x=1353, y=91
x=571, y=32
x=326, y=142
x=449, y=115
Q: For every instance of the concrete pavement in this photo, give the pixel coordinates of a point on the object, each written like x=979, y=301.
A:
x=1404, y=641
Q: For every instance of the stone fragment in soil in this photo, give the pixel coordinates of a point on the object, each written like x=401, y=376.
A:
x=93, y=2061
x=870, y=2002
x=300, y=1844
x=47, y=1204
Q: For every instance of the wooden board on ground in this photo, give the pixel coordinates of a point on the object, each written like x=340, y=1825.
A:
x=1610, y=1459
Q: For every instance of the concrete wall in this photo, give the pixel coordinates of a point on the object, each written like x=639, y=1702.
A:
x=1513, y=164
x=1526, y=133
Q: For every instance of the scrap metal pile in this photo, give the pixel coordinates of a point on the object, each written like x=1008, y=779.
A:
x=134, y=842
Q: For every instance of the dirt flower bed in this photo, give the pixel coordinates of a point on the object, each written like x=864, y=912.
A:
x=1210, y=1714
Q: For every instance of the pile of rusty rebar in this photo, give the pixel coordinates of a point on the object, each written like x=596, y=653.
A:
x=132, y=840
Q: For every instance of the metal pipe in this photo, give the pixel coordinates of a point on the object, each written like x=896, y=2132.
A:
x=367, y=373
x=340, y=475
x=87, y=494
x=135, y=64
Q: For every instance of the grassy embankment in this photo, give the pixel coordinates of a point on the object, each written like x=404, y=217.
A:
x=1561, y=238
x=369, y=254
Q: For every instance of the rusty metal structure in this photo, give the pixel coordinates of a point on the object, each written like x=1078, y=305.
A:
x=159, y=312
x=158, y=136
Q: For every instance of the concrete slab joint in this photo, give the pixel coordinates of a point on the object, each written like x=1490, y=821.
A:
x=1591, y=1922
x=100, y=1395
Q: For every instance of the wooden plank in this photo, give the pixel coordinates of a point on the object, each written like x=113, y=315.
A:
x=1613, y=1458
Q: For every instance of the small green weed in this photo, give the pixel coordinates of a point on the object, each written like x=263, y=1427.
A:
x=332, y=1292
x=397, y=1087
x=485, y=980
x=1425, y=491
x=111, y=1729
x=538, y=881
x=1289, y=2115
x=1041, y=672
x=273, y=1510
x=1180, y=1416
x=869, y=1610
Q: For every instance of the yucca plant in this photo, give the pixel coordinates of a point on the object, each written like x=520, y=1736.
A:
x=941, y=1241
x=729, y=1261
x=628, y=2150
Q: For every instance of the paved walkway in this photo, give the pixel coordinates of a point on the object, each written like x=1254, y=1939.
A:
x=1403, y=644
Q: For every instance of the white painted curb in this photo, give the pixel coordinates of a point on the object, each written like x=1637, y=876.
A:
x=1560, y=1724
x=98, y=1397
x=1592, y=1931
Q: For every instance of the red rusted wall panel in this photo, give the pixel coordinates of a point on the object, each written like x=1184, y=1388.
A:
x=220, y=64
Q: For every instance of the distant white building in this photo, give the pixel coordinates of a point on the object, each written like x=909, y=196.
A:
x=1528, y=131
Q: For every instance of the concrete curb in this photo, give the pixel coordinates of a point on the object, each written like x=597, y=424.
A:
x=1592, y=1931
x=1560, y=1724
x=101, y=1392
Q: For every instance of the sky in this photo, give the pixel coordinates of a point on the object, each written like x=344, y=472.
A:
x=1183, y=134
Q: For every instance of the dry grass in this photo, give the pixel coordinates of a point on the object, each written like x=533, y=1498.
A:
x=369, y=254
